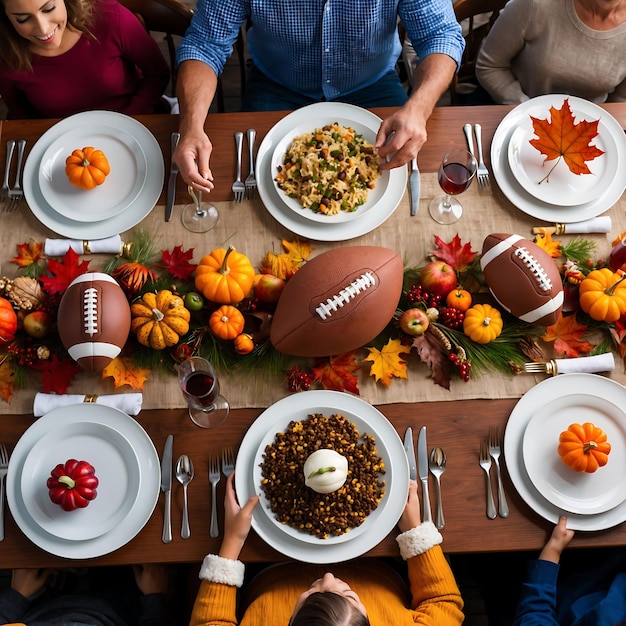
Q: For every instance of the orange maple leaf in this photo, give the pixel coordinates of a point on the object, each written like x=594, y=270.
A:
x=387, y=363
x=561, y=137
x=566, y=334
x=338, y=373
x=545, y=241
x=298, y=250
x=7, y=380
x=28, y=253
x=125, y=372
x=459, y=256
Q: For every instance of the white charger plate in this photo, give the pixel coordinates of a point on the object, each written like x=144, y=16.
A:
x=120, y=188
x=129, y=217
x=577, y=492
x=345, y=114
x=374, y=195
x=116, y=467
x=560, y=386
x=526, y=202
x=389, y=446
x=138, y=515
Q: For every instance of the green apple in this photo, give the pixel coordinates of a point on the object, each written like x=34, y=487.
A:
x=194, y=301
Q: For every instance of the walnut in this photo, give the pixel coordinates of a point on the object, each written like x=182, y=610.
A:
x=26, y=293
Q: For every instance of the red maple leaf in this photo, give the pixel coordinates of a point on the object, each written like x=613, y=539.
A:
x=567, y=334
x=337, y=373
x=177, y=262
x=57, y=375
x=63, y=272
x=459, y=256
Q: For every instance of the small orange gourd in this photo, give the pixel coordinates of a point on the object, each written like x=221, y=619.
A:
x=459, y=299
x=482, y=323
x=584, y=447
x=227, y=322
x=87, y=168
x=8, y=322
x=602, y=294
x=244, y=344
x=224, y=276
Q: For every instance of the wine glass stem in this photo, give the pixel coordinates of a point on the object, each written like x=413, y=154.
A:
x=446, y=203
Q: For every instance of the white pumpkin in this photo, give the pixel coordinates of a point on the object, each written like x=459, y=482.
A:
x=325, y=471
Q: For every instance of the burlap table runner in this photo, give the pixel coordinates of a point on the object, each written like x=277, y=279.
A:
x=253, y=231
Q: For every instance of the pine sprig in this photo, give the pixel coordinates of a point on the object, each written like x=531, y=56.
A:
x=578, y=250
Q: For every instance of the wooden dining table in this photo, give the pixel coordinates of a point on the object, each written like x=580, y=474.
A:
x=458, y=425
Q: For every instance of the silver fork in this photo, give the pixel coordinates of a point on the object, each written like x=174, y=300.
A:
x=228, y=461
x=485, y=463
x=7, y=171
x=494, y=451
x=4, y=466
x=214, y=479
x=16, y=193
x=238, y=186
x=250, y=181
x=482, y=172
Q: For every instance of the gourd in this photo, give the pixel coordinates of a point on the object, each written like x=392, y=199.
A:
x=459, y=299
x=602, y=294
x=325, y=470
x=224, y=276
x=8, y=321
x=482, y=323
x=159, y=319
x=244, y=344
x=87, y=168
x=584, y=447
x=227, y=322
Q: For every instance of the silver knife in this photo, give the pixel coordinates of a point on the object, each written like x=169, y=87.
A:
x=414, y=187
x=410, y=453
x=171, y=185
x=422, y=461
x=166, y=488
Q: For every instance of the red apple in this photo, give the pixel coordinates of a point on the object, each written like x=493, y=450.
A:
x=268, y=288
x=414, y=322
x=37, y=324
x=438, y=278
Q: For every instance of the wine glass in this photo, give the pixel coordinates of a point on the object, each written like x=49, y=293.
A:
x=456, y=172
x=201, y=388
x=199, y=216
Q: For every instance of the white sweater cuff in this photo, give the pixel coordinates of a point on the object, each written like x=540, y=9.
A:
x=217, y=569
x=418, y=540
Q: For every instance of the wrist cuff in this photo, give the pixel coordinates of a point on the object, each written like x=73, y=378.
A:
x=217, y=569
x=418, y=540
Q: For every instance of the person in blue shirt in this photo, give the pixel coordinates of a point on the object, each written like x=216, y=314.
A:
x=591, y=594
x=306, y=51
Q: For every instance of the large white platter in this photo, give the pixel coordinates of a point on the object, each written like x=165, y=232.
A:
x=313, y=116
x=137, y=514
x=136, y=209
x=389, y=446
x=533, y=401
x=526, y=202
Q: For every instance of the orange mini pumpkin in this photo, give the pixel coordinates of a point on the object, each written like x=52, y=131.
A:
x=584, y=447
x=227, y=322
x=87, y=168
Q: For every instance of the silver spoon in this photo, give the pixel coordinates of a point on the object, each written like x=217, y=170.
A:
x=437, y=466
x=184, y=475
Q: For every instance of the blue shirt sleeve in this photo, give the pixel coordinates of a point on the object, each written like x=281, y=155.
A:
x=537, y=604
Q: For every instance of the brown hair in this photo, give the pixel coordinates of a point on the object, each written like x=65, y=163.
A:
x=326, y=608
x=15, y=53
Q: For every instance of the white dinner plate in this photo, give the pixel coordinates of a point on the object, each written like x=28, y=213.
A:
x=577, y=492
x=528, y=203
x=116, y=224
x=532, y=401
x=116, y=467
x=325, y=112
x=120, y=188
x=374, y=196
x=130, y=525
x=562, y=187
x=389, y=446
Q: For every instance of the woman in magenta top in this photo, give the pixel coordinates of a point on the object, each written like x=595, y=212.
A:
x=62, y=57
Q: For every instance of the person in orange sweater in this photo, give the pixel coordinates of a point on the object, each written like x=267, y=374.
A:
x=360, y=592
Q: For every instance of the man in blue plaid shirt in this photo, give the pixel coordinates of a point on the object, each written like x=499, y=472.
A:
x=306, y=51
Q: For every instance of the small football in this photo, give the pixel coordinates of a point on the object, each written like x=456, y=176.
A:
x=93, y=320
x=523, y=278
x=338, y=301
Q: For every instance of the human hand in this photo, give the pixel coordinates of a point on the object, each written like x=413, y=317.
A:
x=28, y=582
x=192, y=156
x=400, y=137
x=237, y=521
x=151, y=578
x=411, y=516
x=558, y=541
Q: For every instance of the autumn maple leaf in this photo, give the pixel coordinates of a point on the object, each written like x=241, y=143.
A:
x=338, y=373
x=551, y=246
x=459, y=256
x=387, y=362
x=125, y=372
x=57, y=375
x=566, y=334
x=560, y=137
x=63, y=272
x=28, y=253
x=177, y=262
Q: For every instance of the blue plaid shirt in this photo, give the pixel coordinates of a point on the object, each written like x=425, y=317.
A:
x=321, y=48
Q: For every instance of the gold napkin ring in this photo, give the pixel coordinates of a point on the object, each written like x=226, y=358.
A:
x=90, y=398
x=86, y=249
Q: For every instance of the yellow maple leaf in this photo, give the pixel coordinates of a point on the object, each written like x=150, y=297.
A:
x=279, y=265
x=387, y=363
x=125, y=372
x=298, y=250
x=544, y=240
x=7, y=380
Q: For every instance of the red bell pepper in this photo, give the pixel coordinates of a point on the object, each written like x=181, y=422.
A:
x=72, y=485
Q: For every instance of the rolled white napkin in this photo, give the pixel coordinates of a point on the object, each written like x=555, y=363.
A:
x=586, y=364
x=600, y=224
x=108, y=245
x=128, y=402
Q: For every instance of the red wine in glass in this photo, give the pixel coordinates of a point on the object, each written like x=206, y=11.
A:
x=454, y=178
x=202, y=388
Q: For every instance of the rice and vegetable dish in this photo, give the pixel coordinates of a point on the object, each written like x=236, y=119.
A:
x=322, y=514
x=329, y=170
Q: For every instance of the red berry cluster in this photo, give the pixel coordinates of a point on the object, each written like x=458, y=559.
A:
x=418, y=294
x=25, y=356
x=299, y=380
x=464, y=366
x=451, y=317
